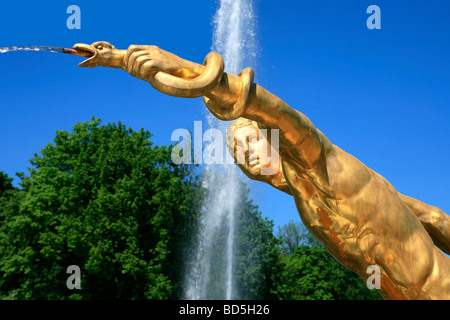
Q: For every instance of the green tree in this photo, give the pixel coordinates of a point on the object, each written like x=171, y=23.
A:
x=258, y=270
x=108, y=200
x=10, y=199
x=293, y=234
x=5, y=184
x=311, y=273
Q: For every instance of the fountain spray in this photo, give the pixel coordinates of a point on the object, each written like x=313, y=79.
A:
x=233, y=38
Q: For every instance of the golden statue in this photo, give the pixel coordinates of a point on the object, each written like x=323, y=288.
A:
x=357, y=214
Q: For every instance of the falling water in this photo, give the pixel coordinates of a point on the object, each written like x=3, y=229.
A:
x=233, y=38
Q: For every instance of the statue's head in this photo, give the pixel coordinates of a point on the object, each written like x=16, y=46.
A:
x=251, y=150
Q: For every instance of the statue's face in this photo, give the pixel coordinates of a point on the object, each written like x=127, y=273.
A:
x=250, y=149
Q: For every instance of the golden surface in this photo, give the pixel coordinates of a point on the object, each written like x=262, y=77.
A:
x=359, y=216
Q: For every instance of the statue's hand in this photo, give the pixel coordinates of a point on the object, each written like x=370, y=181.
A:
x=140, y=61
x=143, y=61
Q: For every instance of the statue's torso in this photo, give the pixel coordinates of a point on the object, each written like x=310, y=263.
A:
x=322, y=216
x=355, y=213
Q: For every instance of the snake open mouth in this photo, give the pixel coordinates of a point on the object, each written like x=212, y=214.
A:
x=85, y=50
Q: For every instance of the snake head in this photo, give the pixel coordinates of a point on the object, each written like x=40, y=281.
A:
x=101, y=53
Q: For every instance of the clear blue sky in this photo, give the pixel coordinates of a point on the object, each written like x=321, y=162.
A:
x=381, y=95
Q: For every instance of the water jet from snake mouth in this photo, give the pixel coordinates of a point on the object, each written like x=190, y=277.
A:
x=46, y=49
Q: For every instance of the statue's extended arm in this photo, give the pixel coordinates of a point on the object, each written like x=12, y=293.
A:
x=226, y=95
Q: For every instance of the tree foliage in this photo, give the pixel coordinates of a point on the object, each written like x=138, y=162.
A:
x=5, y=184
x=258, y=269
x=103, y=198
x=294, y=234
x=311, y=273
